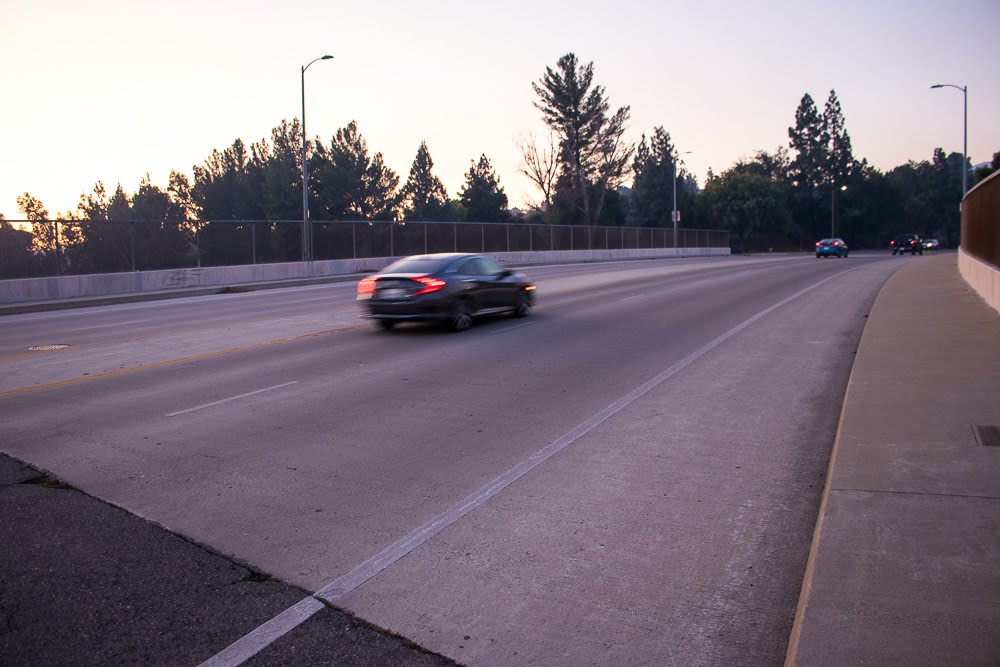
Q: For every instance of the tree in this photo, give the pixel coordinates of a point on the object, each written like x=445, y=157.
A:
x=747, y=204
x=541, y=166
x=810, y=143
x=424, y=196
x=840, y=157
x=15, y=251
x=653, y=182
x=988, y=169
x=349, y=183
x=593, y=155
x=483, y=198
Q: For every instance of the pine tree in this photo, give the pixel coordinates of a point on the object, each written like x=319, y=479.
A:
x=482, y=196
x=840, y=158
x=424, y=196
x=810, y=142
x=592, y=152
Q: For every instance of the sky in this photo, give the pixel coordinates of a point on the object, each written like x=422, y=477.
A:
x=113, y=90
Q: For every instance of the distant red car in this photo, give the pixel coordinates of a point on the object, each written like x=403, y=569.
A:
x=907, y=243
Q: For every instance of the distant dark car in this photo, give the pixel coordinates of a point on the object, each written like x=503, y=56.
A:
x=907, y=243
x=931, y=244
x=831, y=248
x=451, y=288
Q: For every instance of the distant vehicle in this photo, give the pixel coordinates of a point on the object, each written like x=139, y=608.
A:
x=931, y=244
x=907, y=243
x=450, y=288
x=831, y=248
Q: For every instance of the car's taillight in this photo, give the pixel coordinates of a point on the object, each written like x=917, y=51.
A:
x=429, y=285
x=818, y=244
x=367, y=286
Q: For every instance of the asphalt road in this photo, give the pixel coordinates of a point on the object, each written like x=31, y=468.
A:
x=631, y=475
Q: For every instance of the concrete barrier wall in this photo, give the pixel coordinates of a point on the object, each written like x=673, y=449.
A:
x=105, y=284
x=982, y=277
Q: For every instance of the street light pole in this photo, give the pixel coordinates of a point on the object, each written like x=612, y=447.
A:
x=965, y=132
x=676, y=157
x=307, y=253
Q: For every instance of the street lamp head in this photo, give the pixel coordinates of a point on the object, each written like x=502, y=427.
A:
x=843, y=187
x=938, y=85
x=327, y=58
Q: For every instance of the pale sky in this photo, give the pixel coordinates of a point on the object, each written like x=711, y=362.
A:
x=113, y=89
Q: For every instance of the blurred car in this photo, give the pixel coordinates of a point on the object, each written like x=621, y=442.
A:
x=451, y=288
x=831, y=248
x=907, y=243
x=931, y=244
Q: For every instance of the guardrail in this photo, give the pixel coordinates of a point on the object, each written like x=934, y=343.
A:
x=100, y=247
x=979, y=256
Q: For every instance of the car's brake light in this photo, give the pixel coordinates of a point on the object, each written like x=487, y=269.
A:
x=367, y=286
x=835, y=243
x=429, y=285
x=818, y=244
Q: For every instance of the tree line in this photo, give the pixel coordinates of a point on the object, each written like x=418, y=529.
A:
x=782, y=199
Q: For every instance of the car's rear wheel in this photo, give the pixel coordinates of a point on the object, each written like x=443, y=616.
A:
x=385, y=325
x=460, y=317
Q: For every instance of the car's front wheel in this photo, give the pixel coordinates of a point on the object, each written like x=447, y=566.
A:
x=385, y=325
x=522, y=307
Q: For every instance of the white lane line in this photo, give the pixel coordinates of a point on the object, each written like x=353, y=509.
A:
x=259, y=638
x=113, y=324
x=231, y=398
x=637, y=296
x=505, y=329
x=239, y=651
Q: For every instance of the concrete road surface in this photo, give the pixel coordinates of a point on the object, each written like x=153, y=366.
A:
x=630, y=475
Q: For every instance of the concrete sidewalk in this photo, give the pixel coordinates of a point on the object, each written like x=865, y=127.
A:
x=905, y=562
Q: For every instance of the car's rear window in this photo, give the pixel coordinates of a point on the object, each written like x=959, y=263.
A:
x=417, y=265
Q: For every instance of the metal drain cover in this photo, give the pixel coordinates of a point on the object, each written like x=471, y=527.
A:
x=987, y=436
x=48, y=348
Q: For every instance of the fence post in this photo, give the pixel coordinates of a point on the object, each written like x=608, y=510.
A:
x=506, y=227
x=253, y=240
x=392, y=241
x=482, y=237
x=197, y=243
x=425, y=238
x=354, y=240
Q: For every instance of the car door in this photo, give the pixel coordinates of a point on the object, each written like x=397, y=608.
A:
x=503, y=290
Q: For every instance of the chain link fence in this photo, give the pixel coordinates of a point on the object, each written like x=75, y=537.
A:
x=95, y=246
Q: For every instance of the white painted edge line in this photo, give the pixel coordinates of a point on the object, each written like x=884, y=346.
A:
x=113, y=324
x=251, y=644
x=231, y=398
x=506, y=329
x=637, y=296
x=260, y=638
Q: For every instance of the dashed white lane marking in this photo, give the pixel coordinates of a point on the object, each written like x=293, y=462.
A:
x=259, y=638
x=231, y=398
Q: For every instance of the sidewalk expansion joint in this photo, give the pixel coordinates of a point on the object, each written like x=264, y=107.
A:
x=917, y=493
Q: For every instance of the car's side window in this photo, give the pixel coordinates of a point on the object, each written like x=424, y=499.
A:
x=490, y=267
x=465, y=268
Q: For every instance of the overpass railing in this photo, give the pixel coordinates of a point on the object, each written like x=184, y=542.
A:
x=981, y=221
x=81, y=247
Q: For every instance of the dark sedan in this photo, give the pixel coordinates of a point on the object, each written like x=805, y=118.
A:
x=451, y=288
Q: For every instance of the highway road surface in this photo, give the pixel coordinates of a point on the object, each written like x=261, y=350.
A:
x=630, y=475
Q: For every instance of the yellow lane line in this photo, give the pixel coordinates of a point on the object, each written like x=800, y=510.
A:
x=168, y=362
